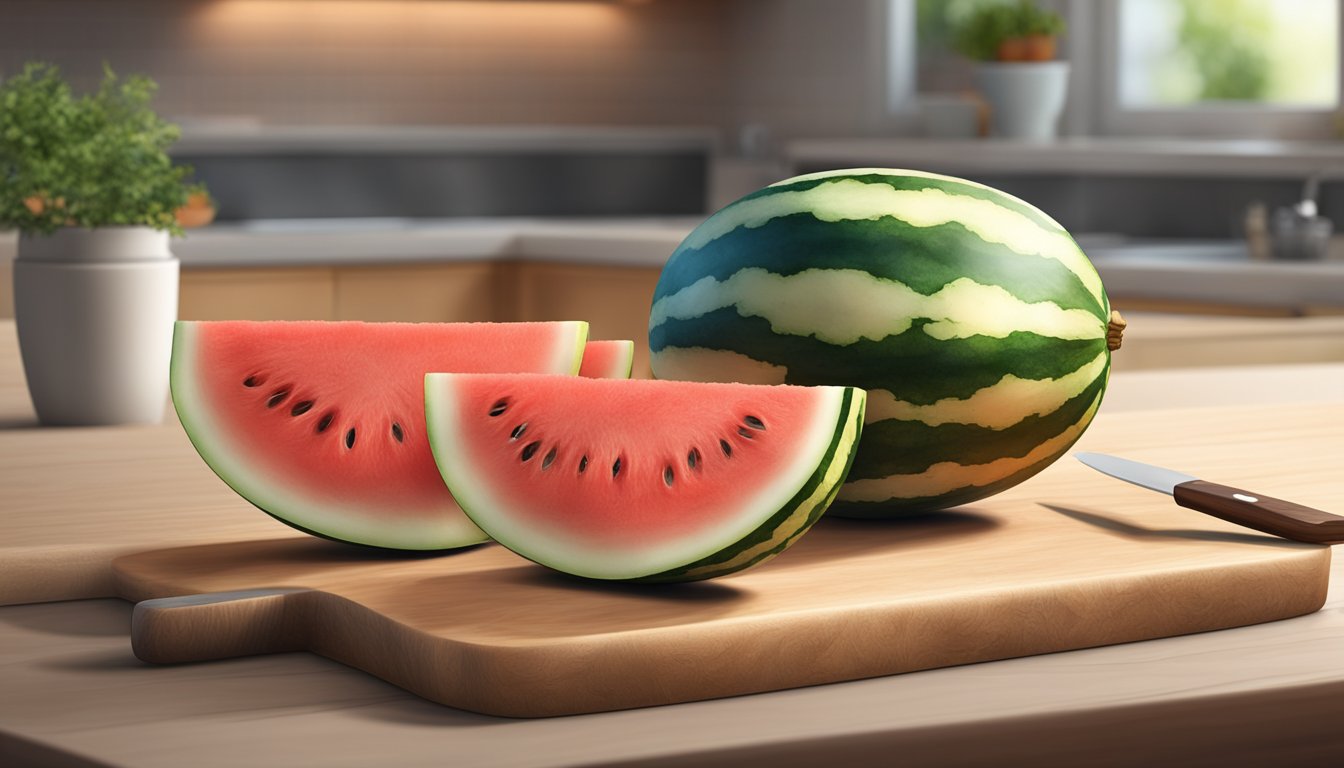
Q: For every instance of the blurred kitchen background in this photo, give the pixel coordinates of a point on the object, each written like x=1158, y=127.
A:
x=540, y=159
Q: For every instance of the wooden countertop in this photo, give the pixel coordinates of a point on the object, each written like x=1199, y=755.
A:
x=1268, y=694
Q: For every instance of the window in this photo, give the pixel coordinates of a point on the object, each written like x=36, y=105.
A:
x=1207, y=68
x=1192, y=53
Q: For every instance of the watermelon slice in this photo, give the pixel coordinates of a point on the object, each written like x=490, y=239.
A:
x=647, y=480
x=608, y=360
x=321, y=425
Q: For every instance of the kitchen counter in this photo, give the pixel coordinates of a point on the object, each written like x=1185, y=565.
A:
x=613, y=242
x=1220, y=272
x=1265, y=694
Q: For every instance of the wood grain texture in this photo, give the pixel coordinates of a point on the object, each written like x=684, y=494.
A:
x=299, y=293
x=1265, y=695
x=1268, y=694
x=438, y=293
x=1190, y=341
x=73, y=499
x=485, y=631
x=614, y=300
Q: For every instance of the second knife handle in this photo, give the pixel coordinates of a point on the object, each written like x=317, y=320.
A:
x=1263, y=513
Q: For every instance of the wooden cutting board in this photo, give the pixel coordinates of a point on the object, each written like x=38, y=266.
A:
x=486, y=631
x=1104, y=563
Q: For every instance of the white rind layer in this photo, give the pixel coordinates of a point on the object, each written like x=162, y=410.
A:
x=466, y=478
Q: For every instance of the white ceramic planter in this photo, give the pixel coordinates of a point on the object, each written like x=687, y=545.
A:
x=95, y=311
x=1025, y=98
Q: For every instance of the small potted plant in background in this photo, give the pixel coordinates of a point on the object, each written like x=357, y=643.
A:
x=1015, y=44
x=88, y=184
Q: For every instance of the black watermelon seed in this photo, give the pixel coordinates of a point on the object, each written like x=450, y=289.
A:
x=325, y=422
x=583, y=465
x=668, y=476
x=693, y=458
x=616, y=468
x=727, y=449
x=350, y=438
x=530, y=450
x=754, y=423
x=396, y=432
x=499, y=408
x=251, y=381
x=743, y=431
x=277, y=397
x=518, y=431
x=301, y=408
x=548, y=459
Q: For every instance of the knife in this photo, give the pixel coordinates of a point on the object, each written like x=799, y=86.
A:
x=1253, y=510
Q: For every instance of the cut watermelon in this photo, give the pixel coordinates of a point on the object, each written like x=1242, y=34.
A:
x=648, y=480
x=608, y=360
x=321, y=425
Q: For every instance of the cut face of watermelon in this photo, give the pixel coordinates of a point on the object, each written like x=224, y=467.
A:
x=322, y=425
x=608, y=360
x=652, y=480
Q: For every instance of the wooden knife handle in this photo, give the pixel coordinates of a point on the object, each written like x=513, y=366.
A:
x=1276, y=516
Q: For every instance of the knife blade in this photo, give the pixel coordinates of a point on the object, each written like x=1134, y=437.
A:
x=1252, y=510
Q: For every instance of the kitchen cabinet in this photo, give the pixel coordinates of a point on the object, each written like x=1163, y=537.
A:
x=1156, y=341
x=305, y=293
x=614, y=300
x=440, y=293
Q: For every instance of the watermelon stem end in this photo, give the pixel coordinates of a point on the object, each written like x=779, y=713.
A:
x=1115, y=331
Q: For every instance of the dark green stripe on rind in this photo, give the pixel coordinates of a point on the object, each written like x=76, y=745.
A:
x=900, y=447
x=839, y=449
x=923, y=258
x=925, y=504
x=913, y=365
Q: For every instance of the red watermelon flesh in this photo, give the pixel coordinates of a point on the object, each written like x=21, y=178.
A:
x=641, y=479
x=322, y=425
x=608, y=359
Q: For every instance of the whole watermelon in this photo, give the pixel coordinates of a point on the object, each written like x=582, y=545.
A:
x=978, y=327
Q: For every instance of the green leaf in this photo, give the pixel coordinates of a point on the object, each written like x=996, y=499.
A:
x=96, y=160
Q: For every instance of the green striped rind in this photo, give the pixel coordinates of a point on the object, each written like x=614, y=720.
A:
x=913, y=365
x=793, y=519
x=743, y=235
x=923, y=258
x=924, y=504
x=907, y=180
x=727, y=291
x=905, y=447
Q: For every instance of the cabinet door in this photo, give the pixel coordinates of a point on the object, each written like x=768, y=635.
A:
x=461, y=292
x=614, y=300
x=256, y=294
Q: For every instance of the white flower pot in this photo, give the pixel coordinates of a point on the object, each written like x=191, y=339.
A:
x=95, y=311
x=1025, y=98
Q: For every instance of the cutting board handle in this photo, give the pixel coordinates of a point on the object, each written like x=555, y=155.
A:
x=219, y=625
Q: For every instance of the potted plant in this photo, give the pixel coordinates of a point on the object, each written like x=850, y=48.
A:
x=89, y=185
x=1015, y=45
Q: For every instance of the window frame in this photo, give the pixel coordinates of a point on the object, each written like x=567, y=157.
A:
x=1094, y=49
